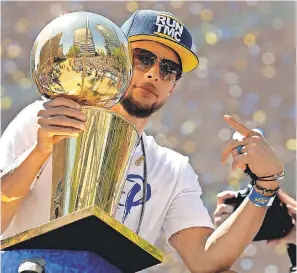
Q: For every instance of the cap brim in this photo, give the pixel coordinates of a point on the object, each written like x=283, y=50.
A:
x=188, y=58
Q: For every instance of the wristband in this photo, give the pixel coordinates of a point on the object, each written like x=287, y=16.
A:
x=260, y=200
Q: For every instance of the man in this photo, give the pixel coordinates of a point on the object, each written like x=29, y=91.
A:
x=161, y=52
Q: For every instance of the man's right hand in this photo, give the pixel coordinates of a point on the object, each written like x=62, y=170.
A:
x=223, y=211
x=61, y=118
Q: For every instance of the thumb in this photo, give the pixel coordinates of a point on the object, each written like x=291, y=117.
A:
x=56, y=139
x=292, y=211
x=222, y=196
x=273, y=242
x=286, y=199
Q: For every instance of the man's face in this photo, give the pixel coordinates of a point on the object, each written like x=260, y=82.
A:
x=149, y=89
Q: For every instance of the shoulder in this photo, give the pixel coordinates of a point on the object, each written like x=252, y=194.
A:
x=171, y=165
x=163, y=160
x=20, y=134
x=32, y=109
x=25, y=122
x=162, y=153
x=28, y=115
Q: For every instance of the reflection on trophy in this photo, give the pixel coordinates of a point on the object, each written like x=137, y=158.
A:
x=86, y=57
x=82, y=56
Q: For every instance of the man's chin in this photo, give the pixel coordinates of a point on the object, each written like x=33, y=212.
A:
x=138, y=109
x=143, y=99
x=142, y=102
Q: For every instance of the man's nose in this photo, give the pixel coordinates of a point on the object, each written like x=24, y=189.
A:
x=154, y=72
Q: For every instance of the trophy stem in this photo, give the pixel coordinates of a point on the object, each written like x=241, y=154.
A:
x=92, y=168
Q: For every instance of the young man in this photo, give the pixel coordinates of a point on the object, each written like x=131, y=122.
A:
x=161, y=52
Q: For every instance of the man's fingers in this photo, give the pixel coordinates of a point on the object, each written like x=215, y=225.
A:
x=62, y=121
x=223, y=209
x=235, y=151
x=232, y=145
x=286, y=199
x=248, y=134
x=274, y=242
x=60, y=101
x=221, y=219
x=62, y=111
x=292, y=212
x=52, y=131
x=240, y=162
x=222, y=196
x=239, y=126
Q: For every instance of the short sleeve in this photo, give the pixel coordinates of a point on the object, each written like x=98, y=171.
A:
x=19, y=135
x=187, y=209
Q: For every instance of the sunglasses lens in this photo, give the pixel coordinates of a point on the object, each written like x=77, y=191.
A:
x=144, y=59
x=170, y=71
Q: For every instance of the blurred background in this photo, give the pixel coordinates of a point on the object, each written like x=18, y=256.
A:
x=247, y=69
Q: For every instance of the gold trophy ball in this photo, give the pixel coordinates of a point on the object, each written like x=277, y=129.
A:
x=82, y=56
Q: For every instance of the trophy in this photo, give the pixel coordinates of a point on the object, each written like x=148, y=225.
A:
x=87, y=58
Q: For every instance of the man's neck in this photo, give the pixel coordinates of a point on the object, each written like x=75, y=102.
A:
x=139, y=123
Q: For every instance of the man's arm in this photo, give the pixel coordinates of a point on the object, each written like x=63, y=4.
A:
x=205, y=251
x=16, y=182
x=61, y=118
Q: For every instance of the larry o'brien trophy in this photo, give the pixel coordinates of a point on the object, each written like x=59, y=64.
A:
x=86, y=57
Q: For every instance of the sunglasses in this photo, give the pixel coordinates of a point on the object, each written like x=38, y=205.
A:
x=144, y=60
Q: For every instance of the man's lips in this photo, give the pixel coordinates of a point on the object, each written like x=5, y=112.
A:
x=148, y=88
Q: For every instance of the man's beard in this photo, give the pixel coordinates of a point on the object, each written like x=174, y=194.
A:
x=136, y=109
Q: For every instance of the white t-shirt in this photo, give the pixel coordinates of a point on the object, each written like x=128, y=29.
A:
x=173, y=190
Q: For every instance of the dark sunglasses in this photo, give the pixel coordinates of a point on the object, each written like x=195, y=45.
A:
x=144, y=60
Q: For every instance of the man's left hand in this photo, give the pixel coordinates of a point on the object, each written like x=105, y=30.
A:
x=256, y=153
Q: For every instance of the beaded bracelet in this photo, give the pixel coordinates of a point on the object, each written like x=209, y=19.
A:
x=263, y=190
x=274, y=177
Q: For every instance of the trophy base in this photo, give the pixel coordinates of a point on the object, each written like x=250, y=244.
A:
x=90, y=229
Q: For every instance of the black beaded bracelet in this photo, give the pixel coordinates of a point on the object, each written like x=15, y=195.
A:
x=264, y=190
